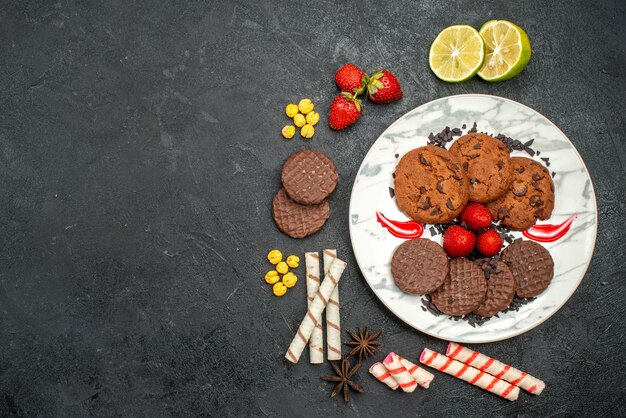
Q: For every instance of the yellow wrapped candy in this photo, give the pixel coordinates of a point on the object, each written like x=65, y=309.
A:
x=312, y=118
x=307, y=131
x=274, y=256
x=272, y=277
x=279, y=289
x=282, y=267
x=293, y=261
x=289, y=131
x=305, y=106
x=290, y=280
x=299, y=120
x=291, y=110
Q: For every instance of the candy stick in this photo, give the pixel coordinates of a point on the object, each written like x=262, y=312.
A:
x=469, y=374
x=380, y=372
x=314, y=312
x=316, y=345
x=421, y=376
x=496, y=368
x=333, y=325
x=399, y=372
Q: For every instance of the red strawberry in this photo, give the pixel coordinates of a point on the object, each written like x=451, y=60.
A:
x=349, y=78
x=476, y=216
x=489, y=243
x=383, y=87
x=458, y=241
x=344, y=111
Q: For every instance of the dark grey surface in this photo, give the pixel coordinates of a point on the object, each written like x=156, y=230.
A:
x=140, y=151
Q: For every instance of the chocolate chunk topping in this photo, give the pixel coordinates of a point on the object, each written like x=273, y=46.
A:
x=426, y=204
x=465, y=165
x=440, y=187
x=519, y=188
x=424, y=160
x=422, y=189
x=450, y=205
x=437, y=211
x=536, y=176
x=477, y=146
x=520, y=170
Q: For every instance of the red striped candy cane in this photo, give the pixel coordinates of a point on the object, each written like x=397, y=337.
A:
x=421, y=376
x=399, y=372
x=469, y=374
x=495, y=368
x=380, y=372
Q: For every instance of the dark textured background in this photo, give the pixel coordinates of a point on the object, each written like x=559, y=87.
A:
x=139, y=152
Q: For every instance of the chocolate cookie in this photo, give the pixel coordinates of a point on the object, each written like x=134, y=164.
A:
x=532, y=267
x=419, y=266
x=500, y=290
x=296, y=220
x=430, y=185
x=463, y=290
x=309, y=177
x=530, y=197
x=487, y=163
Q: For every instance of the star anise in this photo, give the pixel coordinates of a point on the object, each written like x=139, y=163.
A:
x=343, y=377
x=364, y=344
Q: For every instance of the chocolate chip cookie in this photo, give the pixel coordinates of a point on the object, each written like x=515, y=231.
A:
x=419, y=266
x=309, y=177
x=430, y=185
x=487, y=163
x=530, y=196
x=532, y=267
x=463, y=290
x=296, y=220
x=500, y=289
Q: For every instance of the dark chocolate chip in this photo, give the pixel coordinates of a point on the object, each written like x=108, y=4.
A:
x=426, y=204
x=440, y=187
x=465, y=166
x=519, y=189
x=500, y=164
x=450, y=205
x=520, y=170
x=437, y=211
x=422, y=189
x=424, y=160
x=477, y=146
x=536, y=176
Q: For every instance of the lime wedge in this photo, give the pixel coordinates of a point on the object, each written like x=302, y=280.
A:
x=457, y=53
x=508, y=50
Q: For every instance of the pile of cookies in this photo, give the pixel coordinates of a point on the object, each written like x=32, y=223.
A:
x=301, y=208
x=434, y=186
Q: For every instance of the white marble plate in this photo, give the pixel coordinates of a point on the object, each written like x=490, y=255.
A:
x=373, y=245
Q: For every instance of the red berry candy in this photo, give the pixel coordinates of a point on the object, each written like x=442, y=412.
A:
x=489, y=243
x=349, y=78
x=458, y=241
x=476, y=216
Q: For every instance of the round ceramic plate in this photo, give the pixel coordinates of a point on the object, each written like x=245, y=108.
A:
x=373, y=245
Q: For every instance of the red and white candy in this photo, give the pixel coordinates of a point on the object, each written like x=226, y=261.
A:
x=495, y=368
x=380, y=372
x=469, y=374
x=421, y=376
x=399, y=373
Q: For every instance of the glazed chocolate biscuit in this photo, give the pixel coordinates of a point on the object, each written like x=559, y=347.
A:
x=530, y=197
x=532, y=267
x=296, y=220
x=419, y=266
x=463, y=290
x=500, y=290
x=430, y=185
x=309, y=177
x=487, y=163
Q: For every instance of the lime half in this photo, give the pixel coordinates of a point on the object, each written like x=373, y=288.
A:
x=457, y=53
x=508, y=50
